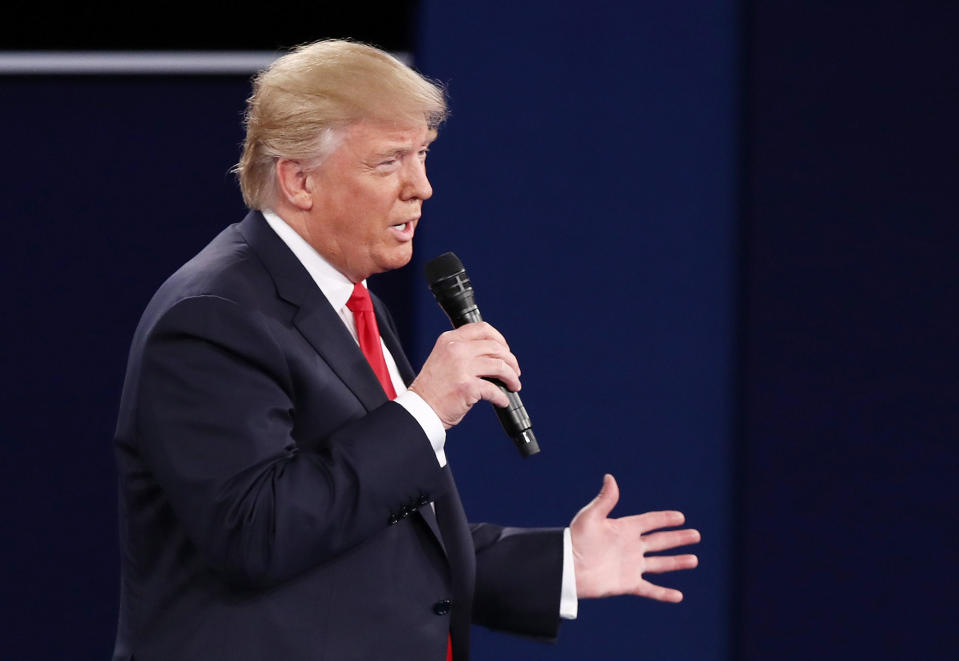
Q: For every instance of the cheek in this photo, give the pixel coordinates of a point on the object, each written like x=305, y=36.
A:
x=380, y=214
x=366, y=210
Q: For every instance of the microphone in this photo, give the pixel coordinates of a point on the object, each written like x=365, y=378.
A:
x=451, y=286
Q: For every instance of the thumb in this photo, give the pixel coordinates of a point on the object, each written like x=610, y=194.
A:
x=608, y=496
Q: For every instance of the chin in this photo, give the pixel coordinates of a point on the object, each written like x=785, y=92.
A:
x=401, y=258
x=397, y=259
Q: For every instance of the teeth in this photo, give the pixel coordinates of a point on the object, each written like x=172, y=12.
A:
x=401, y=226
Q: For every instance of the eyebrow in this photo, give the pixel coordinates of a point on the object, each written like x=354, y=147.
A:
x=394, y=153
x=406, y=147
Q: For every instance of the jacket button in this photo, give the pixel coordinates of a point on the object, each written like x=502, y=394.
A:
x=442, y=607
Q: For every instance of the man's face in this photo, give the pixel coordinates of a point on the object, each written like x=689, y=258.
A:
x=367, y=198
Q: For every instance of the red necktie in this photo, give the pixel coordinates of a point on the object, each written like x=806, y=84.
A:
x=369, y=336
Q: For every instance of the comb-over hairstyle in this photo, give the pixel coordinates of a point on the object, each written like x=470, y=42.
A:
x=303, y=102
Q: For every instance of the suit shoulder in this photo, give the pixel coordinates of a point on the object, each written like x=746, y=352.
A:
x=227, y=267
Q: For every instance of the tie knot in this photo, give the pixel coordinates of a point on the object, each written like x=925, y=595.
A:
x=360, y=299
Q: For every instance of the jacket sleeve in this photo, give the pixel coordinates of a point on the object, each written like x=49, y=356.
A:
x=519, y=573
x=214, y=420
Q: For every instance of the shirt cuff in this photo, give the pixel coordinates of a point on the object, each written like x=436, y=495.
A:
x=568, y=601
x=429, y=421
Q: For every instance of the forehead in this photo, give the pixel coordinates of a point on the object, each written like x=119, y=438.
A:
x=370, y=136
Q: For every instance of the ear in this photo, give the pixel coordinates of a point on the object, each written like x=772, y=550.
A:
x=293, y=184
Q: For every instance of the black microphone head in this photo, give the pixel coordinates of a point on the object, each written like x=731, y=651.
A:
x=442, y=267
x=451, y=286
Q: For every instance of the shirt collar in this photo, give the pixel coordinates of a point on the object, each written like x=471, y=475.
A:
x=336, y=287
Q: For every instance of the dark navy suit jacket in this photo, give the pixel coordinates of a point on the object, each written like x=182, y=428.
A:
x=274, y=504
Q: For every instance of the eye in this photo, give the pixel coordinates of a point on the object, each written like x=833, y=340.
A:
x=423, y=153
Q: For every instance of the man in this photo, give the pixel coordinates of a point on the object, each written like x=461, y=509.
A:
x=284, y=494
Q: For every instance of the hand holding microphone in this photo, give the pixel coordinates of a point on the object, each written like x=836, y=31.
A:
x=487, y=357
x=455, y=375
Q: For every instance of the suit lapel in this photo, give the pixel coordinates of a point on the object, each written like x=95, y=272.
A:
x=324, y=329
x=315, y=318
x=388, y=332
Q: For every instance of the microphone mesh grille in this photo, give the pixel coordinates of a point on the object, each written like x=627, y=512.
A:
x=442, y=267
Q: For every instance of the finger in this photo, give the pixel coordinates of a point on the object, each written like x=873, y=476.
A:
x=653, y=520
x=662, y=541
x=658, y=564
x=479, y=330
x=491, y=393
x=659, y=593
x=492, y=349
x=606, y=499
x=497, y=368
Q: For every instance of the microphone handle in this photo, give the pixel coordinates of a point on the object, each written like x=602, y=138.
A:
x=515, y=420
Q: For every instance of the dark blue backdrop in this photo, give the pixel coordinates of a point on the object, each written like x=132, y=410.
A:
x=797, y=398
x=851, y=362
x=110, y=184
x=587, y=178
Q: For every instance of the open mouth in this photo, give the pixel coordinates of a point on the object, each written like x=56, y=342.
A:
x=404, y=231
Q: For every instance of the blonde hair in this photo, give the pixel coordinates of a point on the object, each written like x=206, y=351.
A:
x=302, y=103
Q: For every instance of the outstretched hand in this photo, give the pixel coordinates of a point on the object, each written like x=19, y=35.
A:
x=609, y=555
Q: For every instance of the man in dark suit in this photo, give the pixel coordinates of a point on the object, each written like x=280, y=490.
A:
x=284, y=490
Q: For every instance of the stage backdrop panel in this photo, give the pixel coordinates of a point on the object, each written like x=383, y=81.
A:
x=588, y=178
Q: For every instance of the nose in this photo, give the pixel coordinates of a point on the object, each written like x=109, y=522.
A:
x=416, y=186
